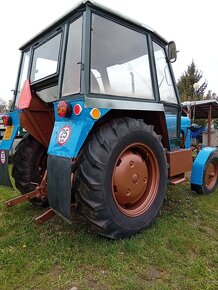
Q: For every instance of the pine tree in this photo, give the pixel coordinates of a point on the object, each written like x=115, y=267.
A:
x=186, y=82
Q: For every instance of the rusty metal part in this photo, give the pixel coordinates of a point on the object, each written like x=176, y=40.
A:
x=180, y=161
x=211, y=175
x=135, y=179
x=180, y=178
x=39, y=192
x=38, y=120
x=47, y=215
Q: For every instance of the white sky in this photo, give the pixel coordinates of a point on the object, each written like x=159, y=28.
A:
x=192, y=24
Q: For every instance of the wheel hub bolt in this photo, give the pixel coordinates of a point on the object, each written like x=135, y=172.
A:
x=128, y=192
x=131, y=163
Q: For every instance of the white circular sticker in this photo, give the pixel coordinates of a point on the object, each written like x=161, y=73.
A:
x=3, y=157
x=64, y=135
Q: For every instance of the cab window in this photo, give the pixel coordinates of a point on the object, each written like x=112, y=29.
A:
x=119, y=60
x=45, y=59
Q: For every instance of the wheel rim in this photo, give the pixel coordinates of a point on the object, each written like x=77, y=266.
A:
x=135, y=179
x=211, y=175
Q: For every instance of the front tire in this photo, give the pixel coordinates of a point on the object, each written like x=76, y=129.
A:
x=122, y=178
x=210, y=176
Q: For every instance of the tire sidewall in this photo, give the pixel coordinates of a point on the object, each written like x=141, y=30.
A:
x=213, y=158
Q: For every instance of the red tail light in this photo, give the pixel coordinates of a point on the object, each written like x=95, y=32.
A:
x=7, y=120
x=64, y=109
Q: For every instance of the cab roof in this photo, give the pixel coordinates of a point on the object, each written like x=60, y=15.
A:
x=81, y=6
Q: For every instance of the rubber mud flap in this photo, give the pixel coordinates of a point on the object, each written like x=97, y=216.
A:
x=59, y=185
x=4, y=174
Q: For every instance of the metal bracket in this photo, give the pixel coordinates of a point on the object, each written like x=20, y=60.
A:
x=47, y=215
x=39, y=192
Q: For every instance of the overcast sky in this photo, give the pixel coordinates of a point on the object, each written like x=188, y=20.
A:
x=192, y=24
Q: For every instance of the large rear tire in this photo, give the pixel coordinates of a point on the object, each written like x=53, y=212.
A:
x=122, y=178
x=29, y=165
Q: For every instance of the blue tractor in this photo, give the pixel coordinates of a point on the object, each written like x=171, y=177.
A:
x=97, y=97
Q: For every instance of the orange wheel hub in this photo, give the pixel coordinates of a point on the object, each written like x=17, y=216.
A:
x=211, y=175
x=135, y=179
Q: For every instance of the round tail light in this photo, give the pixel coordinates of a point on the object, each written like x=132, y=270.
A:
x=64, y=109
x=7, y=120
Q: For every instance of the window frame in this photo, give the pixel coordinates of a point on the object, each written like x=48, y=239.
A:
x=55, y=75
x=154, y=40
x=142, y=30
x=64, y=55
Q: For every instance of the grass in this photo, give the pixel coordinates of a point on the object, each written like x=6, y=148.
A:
x=180, y=251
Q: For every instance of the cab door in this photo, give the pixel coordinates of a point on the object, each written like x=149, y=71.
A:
x=168, y=94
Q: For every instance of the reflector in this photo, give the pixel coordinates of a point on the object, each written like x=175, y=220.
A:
x=95, y=113
x=77, y=109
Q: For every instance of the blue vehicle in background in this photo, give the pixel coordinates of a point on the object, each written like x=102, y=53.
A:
x=97, y=97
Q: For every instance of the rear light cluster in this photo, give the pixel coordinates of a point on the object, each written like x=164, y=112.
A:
x=7, y=120
x=65, y=110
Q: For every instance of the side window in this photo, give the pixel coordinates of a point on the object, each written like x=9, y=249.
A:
x=45, y=59
x=71, y=82
x=49, y=94
x=119, y=60
x=166, y=88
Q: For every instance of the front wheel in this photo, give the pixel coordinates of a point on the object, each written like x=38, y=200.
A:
x=210, y=176
x=122, y=178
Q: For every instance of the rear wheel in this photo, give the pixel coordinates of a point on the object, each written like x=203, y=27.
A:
x=29, y=165
x=122, y=178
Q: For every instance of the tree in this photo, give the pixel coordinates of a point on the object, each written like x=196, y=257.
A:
x=210, y=95
x=186, y=82
x=3, y=106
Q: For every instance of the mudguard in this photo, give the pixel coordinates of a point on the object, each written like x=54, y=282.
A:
x=198, y=165
x=67, y=138
x=5, y=146
x=59, y=185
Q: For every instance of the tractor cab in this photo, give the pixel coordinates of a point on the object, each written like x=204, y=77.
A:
x=97, y=97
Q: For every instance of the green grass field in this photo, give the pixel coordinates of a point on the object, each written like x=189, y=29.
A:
x=180, y=251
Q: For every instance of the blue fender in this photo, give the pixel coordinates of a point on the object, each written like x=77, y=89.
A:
x=199, y=164
x=11, y=131
x=6, y=144
x=69, y=134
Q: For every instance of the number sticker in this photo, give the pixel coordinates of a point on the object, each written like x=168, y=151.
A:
x=64, y=135
x=8, y=133
x=2, y=157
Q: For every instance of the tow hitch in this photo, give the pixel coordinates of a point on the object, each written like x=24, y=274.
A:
x=39, y=192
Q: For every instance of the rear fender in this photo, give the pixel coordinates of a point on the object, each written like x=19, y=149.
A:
x=69, y=134
x=5, y=146
x=68, y=137
x=199, y=164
